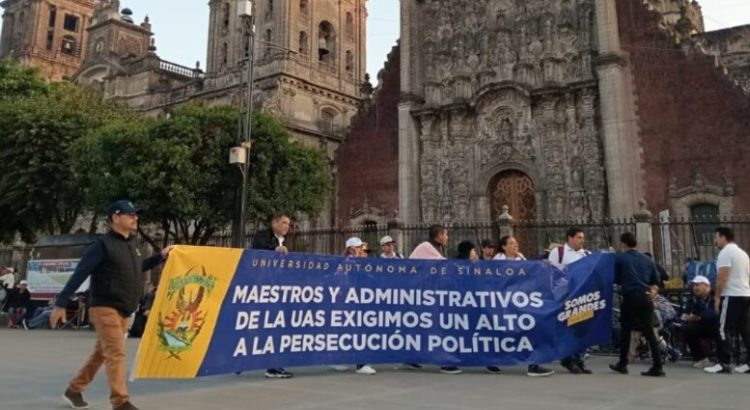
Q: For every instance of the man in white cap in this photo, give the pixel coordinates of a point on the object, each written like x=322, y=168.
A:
x=355, y=248
x=701, y=322
x=388, y=248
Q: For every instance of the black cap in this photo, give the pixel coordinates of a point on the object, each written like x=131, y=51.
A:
x=121, y=207
x=488, y=244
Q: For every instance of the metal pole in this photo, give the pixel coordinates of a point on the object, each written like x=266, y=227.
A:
x=239, y=239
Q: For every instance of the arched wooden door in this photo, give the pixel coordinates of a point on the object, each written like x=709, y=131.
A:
x=516, y=190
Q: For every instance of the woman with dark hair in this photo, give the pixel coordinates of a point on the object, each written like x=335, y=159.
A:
x=508, y=250
x=467, y=250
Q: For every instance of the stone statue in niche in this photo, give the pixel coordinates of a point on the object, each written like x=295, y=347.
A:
x=505, y=131
x=568, y=15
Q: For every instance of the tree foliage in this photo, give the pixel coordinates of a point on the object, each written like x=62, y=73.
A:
x=19, y=81
x=176, y=169
x=38, y=124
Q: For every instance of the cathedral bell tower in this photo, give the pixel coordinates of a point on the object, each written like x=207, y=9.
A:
x=48, y=34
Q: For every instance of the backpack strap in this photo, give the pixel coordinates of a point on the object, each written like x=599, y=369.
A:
x=561, y=253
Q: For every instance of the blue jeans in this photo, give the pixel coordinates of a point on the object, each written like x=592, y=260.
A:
x=40, y=319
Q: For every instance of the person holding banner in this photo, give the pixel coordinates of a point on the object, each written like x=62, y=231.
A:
x=508, y=251
x=434, y=248
x=388, y=248
x=355, y=248
x=639, y=284
x=274, y=239
x=116, y=268
x=560, y=257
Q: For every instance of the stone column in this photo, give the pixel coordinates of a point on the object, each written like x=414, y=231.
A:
x=619, y=127
x=505, y=222
x=395, y=231
x=643, y=232
x=408, y=164
x=408, y=133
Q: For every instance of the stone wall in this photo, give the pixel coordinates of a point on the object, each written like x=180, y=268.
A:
x=367, y=161
x=693, y=120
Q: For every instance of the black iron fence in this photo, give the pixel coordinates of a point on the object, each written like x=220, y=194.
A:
x=676, y=240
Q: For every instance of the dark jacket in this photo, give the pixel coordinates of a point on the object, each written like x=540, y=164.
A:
x=17, y=299
x=635, y=272
x=703, y=308
x=116, y=268
x=266, y=240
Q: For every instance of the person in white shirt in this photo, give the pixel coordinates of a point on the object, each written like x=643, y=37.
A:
x=572, y=250
x=388, y=248
x=508, y=251
x=355, y=248
x=732, y=300
x=560, y=257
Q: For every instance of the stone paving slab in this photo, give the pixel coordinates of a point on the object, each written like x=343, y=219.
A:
x=36, y=365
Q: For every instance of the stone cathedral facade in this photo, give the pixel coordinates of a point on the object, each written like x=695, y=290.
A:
x=541, y=105
x=505, y=110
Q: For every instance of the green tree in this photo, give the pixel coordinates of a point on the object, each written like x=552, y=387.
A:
x=37, y=127
x=17, y=80
x=176, y=169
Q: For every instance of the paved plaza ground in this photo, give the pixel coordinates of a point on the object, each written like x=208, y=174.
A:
x=35, y=366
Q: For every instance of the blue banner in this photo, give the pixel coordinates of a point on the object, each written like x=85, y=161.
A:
x=304, y=310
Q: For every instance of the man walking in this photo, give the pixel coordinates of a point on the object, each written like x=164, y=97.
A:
x=560, y=257
x=731, y=300
x=116, y=268
x=639, y=283
x=274, y=239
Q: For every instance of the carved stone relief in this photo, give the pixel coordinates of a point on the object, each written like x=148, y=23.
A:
x=529, y=41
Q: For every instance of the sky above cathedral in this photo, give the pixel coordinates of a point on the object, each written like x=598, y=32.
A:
x=181, y=26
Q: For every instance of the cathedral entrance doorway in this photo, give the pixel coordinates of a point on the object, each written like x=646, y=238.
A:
x=516, y=190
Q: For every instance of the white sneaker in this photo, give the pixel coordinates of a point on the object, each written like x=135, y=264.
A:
x=366, y=370
x=702, y=363
x=716, y=369
x=742, y=369
x=340, y=368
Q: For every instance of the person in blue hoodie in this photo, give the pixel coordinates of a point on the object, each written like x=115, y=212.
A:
x=701, y=322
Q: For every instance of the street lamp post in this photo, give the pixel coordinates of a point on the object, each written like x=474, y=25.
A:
x=245, y=12
x=241, y=155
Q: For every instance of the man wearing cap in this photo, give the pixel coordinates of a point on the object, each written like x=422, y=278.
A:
x=388, y=248
x=639, y=284
x=701, y=322
x=274, y=239
x=355, y=248
x=115, y=265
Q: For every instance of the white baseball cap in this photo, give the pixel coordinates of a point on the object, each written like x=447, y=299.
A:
x=23, y=282
x=701, y=279
x=386, y=239
x=354, y=242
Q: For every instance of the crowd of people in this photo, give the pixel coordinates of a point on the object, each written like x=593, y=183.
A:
x=713, y=318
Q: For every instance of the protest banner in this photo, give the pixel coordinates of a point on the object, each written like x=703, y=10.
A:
x=229, y=310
